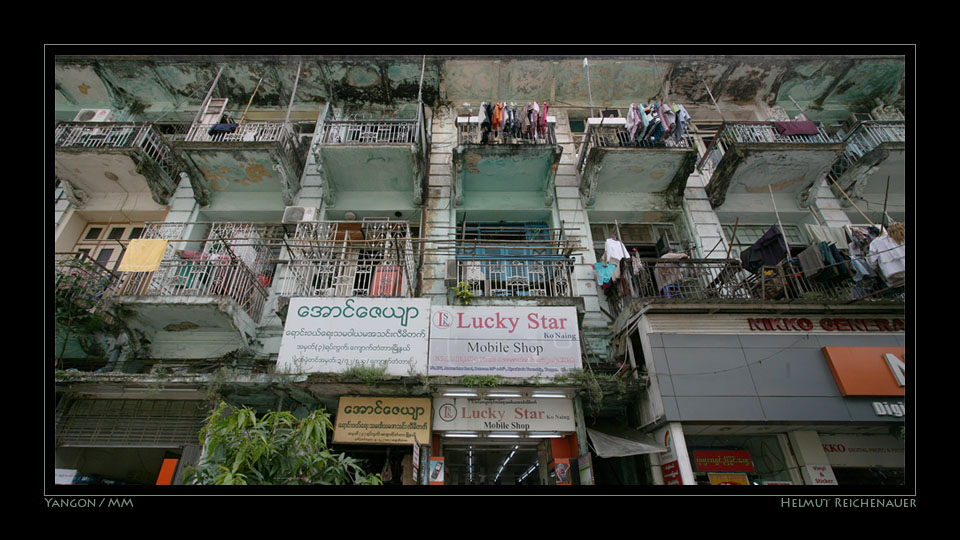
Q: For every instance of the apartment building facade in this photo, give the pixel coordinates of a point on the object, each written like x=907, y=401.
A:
x=631, y=270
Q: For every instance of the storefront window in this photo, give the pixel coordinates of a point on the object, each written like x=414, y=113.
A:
x=755, y=460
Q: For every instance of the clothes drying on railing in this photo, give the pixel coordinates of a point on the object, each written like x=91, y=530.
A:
x=769, y=250
x=604, y=272
x=613, y=252
x=501, y=119
x=668, y=272
x=659, y=123
x=819, y=233
x=796, y=128
x=222, y=129
x=889, y=255
x=822, y=261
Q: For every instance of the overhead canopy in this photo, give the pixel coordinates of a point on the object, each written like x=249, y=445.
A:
x=614, y=440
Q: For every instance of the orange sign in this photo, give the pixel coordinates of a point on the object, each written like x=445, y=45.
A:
x=868, y=371
x=728, y=479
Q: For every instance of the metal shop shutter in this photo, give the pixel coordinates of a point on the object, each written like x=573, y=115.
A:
x=135, y=423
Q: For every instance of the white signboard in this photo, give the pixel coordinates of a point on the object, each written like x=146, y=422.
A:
x=821, y=475
x=863, y=451
x=471, y=414
x=332, y=335
x=533, y=341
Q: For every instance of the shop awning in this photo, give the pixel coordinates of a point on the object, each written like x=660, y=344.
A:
x=615, y=440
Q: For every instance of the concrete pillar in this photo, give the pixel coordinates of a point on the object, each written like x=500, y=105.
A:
x=811, y=459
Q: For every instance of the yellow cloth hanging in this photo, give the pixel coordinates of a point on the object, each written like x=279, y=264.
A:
x=143, y=255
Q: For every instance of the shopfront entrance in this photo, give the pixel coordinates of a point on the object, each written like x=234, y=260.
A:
x=493, y=462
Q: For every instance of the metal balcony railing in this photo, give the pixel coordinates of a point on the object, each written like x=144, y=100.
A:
x=374, y=258
x=755, y=132
x=235, y=260
x=725, y=280
x=618, y=136
x=81, y=281
x=352, y=130
x=117, y=135
x=284, y=134
x=516, y=276
x=470, y=131
x=864, y=138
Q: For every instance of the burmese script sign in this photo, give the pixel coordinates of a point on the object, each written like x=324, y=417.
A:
x=382, y=420
x=471, y=414
x=533, y=341
x=332, y=335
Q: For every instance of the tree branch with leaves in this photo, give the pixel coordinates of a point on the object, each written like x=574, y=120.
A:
x=277, y=448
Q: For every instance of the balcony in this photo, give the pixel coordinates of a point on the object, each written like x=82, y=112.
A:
x=80, y=288
x=875, y=151
x=760, y=157
x=372, y=161
x=512, y=262
x=488, y=164
x=725, y=281
x=107, y=157
x=209, y=291
x=252, y=158
x=621, y=170
x=370, y=258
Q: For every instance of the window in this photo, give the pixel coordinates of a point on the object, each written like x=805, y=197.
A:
x=747, y=235
x=107, y=249
x=650, y=240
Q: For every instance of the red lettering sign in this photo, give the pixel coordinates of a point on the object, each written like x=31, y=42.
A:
x=723, y=460
x=828, y=324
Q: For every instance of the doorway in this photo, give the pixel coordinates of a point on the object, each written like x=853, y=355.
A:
x=488, y=463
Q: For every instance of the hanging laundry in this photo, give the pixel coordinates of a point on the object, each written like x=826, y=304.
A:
x=497, y=122
x=769, y=250
x=604, y=272
x=543, y=120
x=796, y=128
x=889, y=256
x=669, y=119
x=633, y=121
x=143, y=255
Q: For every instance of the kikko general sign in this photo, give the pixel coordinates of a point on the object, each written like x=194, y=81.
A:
x=332, y=335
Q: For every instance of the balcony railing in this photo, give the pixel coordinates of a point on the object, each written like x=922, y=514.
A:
x=470, y=131
x=234, y=260
x=725, y=280
x=618, y=136
x=117, y=135
x=755, y=132
x=864, y=138
x=516, y=276
x=350, y=130
x=81, y=281
x=375, y=258
x=284, y=134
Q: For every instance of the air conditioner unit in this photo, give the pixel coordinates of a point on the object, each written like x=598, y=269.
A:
x=95, y=115
x=450, y=280
x=296, y=214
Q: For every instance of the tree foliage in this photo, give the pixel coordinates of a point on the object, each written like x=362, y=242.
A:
x=274, y=449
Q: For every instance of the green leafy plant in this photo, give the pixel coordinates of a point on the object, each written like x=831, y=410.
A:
x=242, y=448
x=369, y=374
x=465, y=293
x=481, y=381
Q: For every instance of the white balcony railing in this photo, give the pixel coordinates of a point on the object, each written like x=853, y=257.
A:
x=515, y=276
x=234, y=260
x=97, y=135
x=342, y=258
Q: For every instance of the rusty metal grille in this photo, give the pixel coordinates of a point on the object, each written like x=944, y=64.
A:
x=135, y=423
